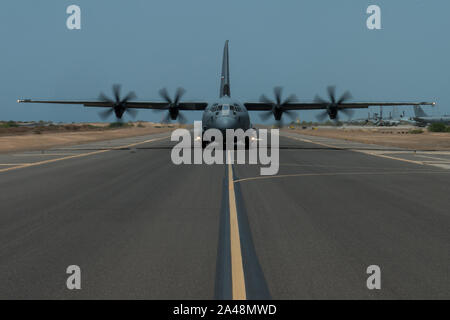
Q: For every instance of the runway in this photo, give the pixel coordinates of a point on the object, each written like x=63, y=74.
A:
x=141, y=227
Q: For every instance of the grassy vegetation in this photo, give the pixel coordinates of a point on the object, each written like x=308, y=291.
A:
x=415, y=131
x=40, y=127
x=114, y=125
x=330, y=123
x=438, y=127
x=9, y=124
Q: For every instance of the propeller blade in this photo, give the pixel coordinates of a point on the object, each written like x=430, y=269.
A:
x=331, y=90
x=130, y=96
x=333, y=105
x=173, y=105
x=165, y=95
x=178, y=94
x=181, y=118
x=345, y=96
x=322, y=115
x=348, y=112
x=265, y=115
x=131, y=112
x=291, y=114
x=104, y=98
x=106, y=113
x=166, y=118
x=292, y=98
x=277, y=92
x=318, y=99
x=264, y=99
x=116, y=91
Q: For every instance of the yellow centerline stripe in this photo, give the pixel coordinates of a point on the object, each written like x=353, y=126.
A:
x=237, y=269
x=33, y=164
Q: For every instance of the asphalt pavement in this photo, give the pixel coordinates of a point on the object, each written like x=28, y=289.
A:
x=141, y=227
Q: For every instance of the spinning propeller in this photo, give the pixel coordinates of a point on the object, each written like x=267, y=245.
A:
x=278, y=106
x=333, y=105
x=119, y=106
x=173, y=111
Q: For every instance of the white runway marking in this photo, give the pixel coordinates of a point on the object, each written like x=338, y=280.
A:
x=399, y=155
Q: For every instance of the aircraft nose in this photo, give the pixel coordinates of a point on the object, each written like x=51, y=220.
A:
x=223, y=123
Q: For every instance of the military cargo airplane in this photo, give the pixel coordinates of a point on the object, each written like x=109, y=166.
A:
x=422, y=119
x=228, y=113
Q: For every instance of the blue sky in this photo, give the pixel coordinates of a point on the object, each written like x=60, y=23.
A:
x=146, y=45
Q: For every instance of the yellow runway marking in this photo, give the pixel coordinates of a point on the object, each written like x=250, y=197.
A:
x=33, y=164
x=12, y=164
x=434, y=158
x=335, y=174
x=237, y=269
x=360, y=151
x=390, y=157
x=310, y=141
x=41, y=154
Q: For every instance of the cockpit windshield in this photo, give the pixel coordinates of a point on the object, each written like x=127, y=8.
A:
x=225, y=109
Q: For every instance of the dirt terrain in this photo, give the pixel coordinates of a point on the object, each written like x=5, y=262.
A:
x=44, y=137
x=393, y=137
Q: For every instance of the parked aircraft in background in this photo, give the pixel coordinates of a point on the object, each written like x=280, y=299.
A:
x=421, y=119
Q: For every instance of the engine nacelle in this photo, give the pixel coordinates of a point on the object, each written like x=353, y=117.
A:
x=277, y=113
x=173, y=112
x=332, y=112
x=119, y=110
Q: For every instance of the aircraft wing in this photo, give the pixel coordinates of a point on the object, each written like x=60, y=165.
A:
x=137, y=104
x=192, y=106
x=261, y=106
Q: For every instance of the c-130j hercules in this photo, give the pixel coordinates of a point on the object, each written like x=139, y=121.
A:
x=228, y=113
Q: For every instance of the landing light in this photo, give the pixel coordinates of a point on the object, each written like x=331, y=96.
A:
x=198, y=138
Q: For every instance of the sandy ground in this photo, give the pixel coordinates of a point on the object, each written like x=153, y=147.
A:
x=46, y=140
x=393, y=137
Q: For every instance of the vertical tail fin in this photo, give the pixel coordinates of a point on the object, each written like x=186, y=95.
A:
x=225, y=77
x=418, y=111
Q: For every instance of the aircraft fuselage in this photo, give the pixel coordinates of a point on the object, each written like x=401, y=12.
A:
x=226, y=113
x=429, y=120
